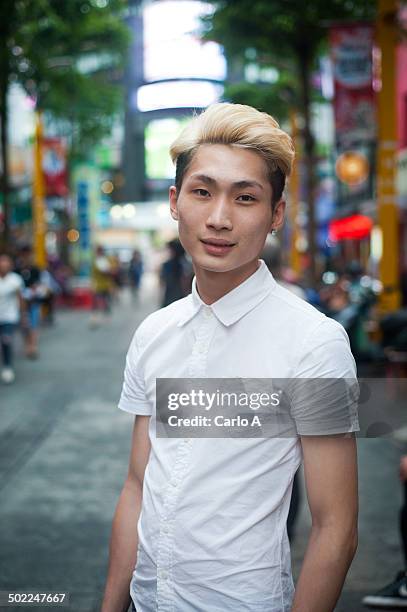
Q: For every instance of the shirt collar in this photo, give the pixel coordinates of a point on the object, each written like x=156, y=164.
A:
x=238, y=302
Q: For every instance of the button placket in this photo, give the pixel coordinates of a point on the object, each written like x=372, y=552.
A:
x=165, y=541
x=196, y=369
x=203, y=337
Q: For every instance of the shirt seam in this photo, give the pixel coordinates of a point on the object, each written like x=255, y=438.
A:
x=282, y=531
x=304, y=342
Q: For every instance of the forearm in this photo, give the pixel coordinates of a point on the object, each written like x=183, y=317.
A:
x=324, y=570
x=123, y=549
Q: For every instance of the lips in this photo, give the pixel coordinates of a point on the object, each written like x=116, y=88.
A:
x=217, y=242
x=217, y=246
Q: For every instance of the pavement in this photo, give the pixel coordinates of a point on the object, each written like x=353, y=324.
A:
x=64, y=449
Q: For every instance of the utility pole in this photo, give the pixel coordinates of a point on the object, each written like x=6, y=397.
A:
x=388, y=213
x=38, y=206
x=294, y=184
x=134, y=149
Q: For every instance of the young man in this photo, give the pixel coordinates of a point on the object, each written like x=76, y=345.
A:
x=201, y=523
x=11, y=286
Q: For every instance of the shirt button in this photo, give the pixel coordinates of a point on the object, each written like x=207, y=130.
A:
x=174, y=483
x=165, y=529
x=163, y=574
x=207, y=313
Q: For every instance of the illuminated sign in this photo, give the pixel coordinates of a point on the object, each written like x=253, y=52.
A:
x=159, y=135
x=173, y=47
x=177, y=94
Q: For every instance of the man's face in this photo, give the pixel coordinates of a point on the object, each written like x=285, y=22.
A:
x=224, y=209
x=26, y=258
x=5, y=265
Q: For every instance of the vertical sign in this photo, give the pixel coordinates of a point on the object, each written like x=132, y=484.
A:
x=83, y=226
x=55, y=167
x=354, y=103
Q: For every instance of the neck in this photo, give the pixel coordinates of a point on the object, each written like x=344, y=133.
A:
x=212, y=285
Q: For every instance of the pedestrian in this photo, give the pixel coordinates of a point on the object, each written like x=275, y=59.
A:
x=51, y=290
x=135, y=272
x=103, y=286
x=201, y=522
x=174, y=274
x=11, y=286
x=394, y=595
x=33, y=293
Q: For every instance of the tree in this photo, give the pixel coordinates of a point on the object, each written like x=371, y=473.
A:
x=68, y=57
x=288, y=34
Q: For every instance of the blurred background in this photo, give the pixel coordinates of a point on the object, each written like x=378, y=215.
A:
x=92, y=93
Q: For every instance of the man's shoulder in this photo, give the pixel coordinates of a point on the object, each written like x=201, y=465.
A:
x=292, y=305
x=163, y=318
x=14, y=279
x=297, y=319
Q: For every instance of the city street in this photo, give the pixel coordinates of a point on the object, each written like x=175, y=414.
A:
x=63, y=458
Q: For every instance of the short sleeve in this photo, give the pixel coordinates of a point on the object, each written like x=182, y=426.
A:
x=133, y=397
x=325, y=390
x=19, y=283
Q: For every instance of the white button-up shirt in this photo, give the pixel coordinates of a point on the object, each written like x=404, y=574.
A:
x=212, y=528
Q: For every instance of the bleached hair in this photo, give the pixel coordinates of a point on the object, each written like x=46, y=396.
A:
x=239, y=125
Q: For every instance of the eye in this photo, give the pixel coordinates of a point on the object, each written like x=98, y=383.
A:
x=203, y=193
x=246, y=198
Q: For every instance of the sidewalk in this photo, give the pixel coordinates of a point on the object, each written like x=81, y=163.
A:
x=64, y=449
x=63, y=458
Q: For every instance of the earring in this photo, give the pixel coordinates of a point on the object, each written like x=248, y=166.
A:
x=273, y=232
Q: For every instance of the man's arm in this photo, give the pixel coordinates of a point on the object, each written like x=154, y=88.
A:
x=124, y=538
x=330, y=467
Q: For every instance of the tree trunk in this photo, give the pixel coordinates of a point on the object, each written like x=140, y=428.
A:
x=304, y=64
x=5, y=181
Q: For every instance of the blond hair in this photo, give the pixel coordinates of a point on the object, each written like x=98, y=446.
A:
x=240, y=125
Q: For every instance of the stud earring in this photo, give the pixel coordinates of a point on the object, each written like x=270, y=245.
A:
x=273, y=232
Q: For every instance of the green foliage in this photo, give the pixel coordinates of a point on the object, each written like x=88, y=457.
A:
x=266, y=98
x=276, y=27
x=287, y=34
x=67, y=54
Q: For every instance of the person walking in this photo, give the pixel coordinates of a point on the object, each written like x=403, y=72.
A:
x=102, y=284
x=11, y=286
x=174, y=274
x=33, y=293
x=135, y=272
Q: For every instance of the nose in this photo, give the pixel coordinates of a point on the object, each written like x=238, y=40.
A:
x=219, y=215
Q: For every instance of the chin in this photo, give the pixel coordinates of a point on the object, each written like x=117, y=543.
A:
x=215, y=264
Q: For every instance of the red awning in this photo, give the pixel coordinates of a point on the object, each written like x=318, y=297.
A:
x=354, y=227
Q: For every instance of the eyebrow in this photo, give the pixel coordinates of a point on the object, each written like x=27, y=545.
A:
x=237, y=184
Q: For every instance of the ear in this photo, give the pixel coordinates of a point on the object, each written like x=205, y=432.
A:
x=277, y=221
x=173, y=198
